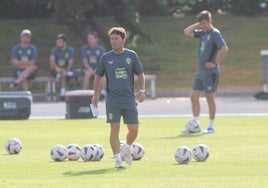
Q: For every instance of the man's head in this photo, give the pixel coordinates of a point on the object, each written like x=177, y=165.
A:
x=117, y=37
x=205, y=20
x=25, y=36
x=92, y=39
x=61, y=40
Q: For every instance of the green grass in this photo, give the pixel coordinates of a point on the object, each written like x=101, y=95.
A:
x=239, y=155
x=171, y=55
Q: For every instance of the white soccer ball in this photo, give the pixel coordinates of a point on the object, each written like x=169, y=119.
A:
x=193, y=126
x=200, y=152
x=88, y=152
x=137, y=151
x=73, y=152
x=100, y=152
x=58, y=153
x=13, y=146
x=183, y=155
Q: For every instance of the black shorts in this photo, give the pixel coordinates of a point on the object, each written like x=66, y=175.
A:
x=207, y=83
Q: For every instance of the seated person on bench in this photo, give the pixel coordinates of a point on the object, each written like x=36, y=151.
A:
x=61, y=62
x=23, y=60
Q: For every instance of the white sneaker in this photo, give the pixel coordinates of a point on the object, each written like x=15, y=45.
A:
x=126, y=154
x=209, y=131
x=118, y=164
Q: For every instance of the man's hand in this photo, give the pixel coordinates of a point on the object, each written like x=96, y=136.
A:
x=210, y=65
x=95, y=100
x=141, y=97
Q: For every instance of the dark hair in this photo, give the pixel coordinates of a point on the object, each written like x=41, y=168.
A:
x=94, y=33
x=62, y=37
x=118, y=31
x=204, y=15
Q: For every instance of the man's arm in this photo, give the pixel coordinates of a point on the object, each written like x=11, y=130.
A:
x=70, y=64
x=141, y=94
x=223, y=51
x=20, y=64
x=189, y=31
x=96, y=87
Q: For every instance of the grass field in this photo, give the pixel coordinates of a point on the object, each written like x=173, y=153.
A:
x=239, y=155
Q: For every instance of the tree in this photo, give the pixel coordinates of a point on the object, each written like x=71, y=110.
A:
x=80, y=15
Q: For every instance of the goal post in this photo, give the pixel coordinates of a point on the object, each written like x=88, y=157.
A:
x=264, y=54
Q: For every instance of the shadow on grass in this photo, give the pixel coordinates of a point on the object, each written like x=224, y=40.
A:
x=93, y=172
x=183, y=136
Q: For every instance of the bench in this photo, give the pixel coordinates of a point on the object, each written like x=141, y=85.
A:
x=50, y=85
x=152, y=79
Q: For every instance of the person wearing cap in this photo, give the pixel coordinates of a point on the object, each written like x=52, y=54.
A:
x=90, y=55
x=23, y=60
x=61, y=62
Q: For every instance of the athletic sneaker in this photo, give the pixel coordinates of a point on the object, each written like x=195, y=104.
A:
x=184, y=132
x=126, y=154
x=118, y=164
x=209, y=130
x=13, y=85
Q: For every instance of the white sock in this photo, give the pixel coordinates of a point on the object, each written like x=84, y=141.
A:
x=103, y=92
x=117, y=157
x=62, y=91
x=196, y=118
x=211, y=123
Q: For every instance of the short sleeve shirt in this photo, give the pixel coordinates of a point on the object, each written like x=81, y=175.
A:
x=92, y=54
x=210, y=42
x=62, y=57
x=119, y=70
x=24, y=54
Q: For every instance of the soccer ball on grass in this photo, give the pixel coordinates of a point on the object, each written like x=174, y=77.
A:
x=193, y=126
x=58, y=153
x=200, y=152
x=73, y=152
x=13, y=146
x=183, y=155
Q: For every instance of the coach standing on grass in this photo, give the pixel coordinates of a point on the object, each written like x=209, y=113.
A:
x=119, y=65
x=212, y=50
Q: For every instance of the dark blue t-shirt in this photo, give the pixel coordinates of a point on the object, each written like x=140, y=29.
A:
x=119, y=70
x=62, y=57
x=210, y=42
x=92, y=54
x=24, y=54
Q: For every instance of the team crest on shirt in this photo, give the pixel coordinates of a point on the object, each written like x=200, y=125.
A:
x=98, y=52
x=110, y=116
x=128, y=60
x=29, y=52
x=110, y=62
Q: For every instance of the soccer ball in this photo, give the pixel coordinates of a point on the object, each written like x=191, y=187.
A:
x=73, y=152
x=200, y=152
x=183, y=155
x=137, y=151
x=58, y=153
x=13, y=146
x=88, y=152
x=100, y=152
x=192, y=126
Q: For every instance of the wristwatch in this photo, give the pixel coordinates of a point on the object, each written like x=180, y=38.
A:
x=142, y=91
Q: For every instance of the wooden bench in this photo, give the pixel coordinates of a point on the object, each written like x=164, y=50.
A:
x=152, y=79
x=50, y=85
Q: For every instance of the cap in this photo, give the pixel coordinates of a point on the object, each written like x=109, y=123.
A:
x=26, y=32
